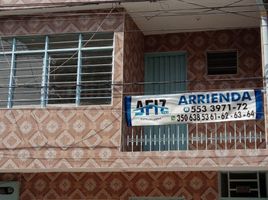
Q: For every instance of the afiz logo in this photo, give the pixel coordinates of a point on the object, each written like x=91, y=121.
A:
x=153, y=106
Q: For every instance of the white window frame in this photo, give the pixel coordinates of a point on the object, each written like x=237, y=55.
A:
x=44, y=97
x=241, y=198
x=156, y=198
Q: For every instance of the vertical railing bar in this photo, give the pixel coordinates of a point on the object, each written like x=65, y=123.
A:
x=44, y=86
x=225, y=135
x=225, y=139
x=79, y=71
x=150, y=131
x=211, y=138
x=206, y=127
x=12, y=74
x=245, y=135
x=255, y=135
x=159, y=138
x=178, y=136
x=145, y=139
x=260, y=137
x=132, y=140
x=128, y=141
x=201, y=138
x=137, y=140
x=197, y=137
x=216, y=137
x=47, y=81
x=182, y=139
x=164, y=141
x=240, y=136
x=186, y=139
x=155, y=140
x=258, y=185
x=216, y=141
x=228, y=177
x=250, y=137
x=141, y=139
x=235, y=135
x=168, y=138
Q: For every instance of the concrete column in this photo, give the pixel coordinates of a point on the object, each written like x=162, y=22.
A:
x=264, y=41
x=264, y=47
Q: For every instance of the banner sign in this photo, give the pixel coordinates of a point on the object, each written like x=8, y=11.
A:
x=197, y=107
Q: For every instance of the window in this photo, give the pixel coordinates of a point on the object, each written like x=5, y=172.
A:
x=156, y=198
x=221, y=62
x=244, y=184
x=56, y=69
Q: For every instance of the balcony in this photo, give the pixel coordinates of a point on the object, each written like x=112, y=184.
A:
x=205, y=136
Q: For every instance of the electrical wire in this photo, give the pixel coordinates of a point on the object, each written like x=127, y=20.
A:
x=65, y=147
x=231, y=5
x=142, y=83
x=87, y=137
x=219, y=9
x=87, y=41
x=137, y=15
x=200, y=7
x=77, y=142
x=73, y=3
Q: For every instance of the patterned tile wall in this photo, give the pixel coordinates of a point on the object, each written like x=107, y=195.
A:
x=133, y=58
x=116, y=186
x=88, y=138
x=50, y=137
x=196, y=44
x=133, y=63
x=44, y=2
x=62, y=23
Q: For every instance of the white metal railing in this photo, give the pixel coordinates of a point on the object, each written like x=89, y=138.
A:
x=56, y=69
x=209, y=136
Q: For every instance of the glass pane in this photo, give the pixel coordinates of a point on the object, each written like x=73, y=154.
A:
x=62, y=77
x=5, y=44
x=222, y=62
x=63, y=41
x=30, y=43
x=4, y=78
x=243, y=175
x=97, y=58
x=97, y=39
x=27, y=79
x=96, y=77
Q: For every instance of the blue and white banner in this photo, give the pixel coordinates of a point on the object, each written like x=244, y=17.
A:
x=197, y=107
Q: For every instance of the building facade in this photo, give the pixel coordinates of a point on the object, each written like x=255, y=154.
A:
x=65, y=70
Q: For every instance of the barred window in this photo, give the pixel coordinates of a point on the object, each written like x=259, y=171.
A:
x=249, y=185
x=56, y=69
x=221, y=62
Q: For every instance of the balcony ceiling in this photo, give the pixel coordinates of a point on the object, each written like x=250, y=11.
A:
x=193, y=15
x=167, y=16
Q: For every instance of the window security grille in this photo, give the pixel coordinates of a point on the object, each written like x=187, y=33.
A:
x=221, y=62
x=156, y=198
x=243, y=185
x=9, y=190
x=56, y=69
